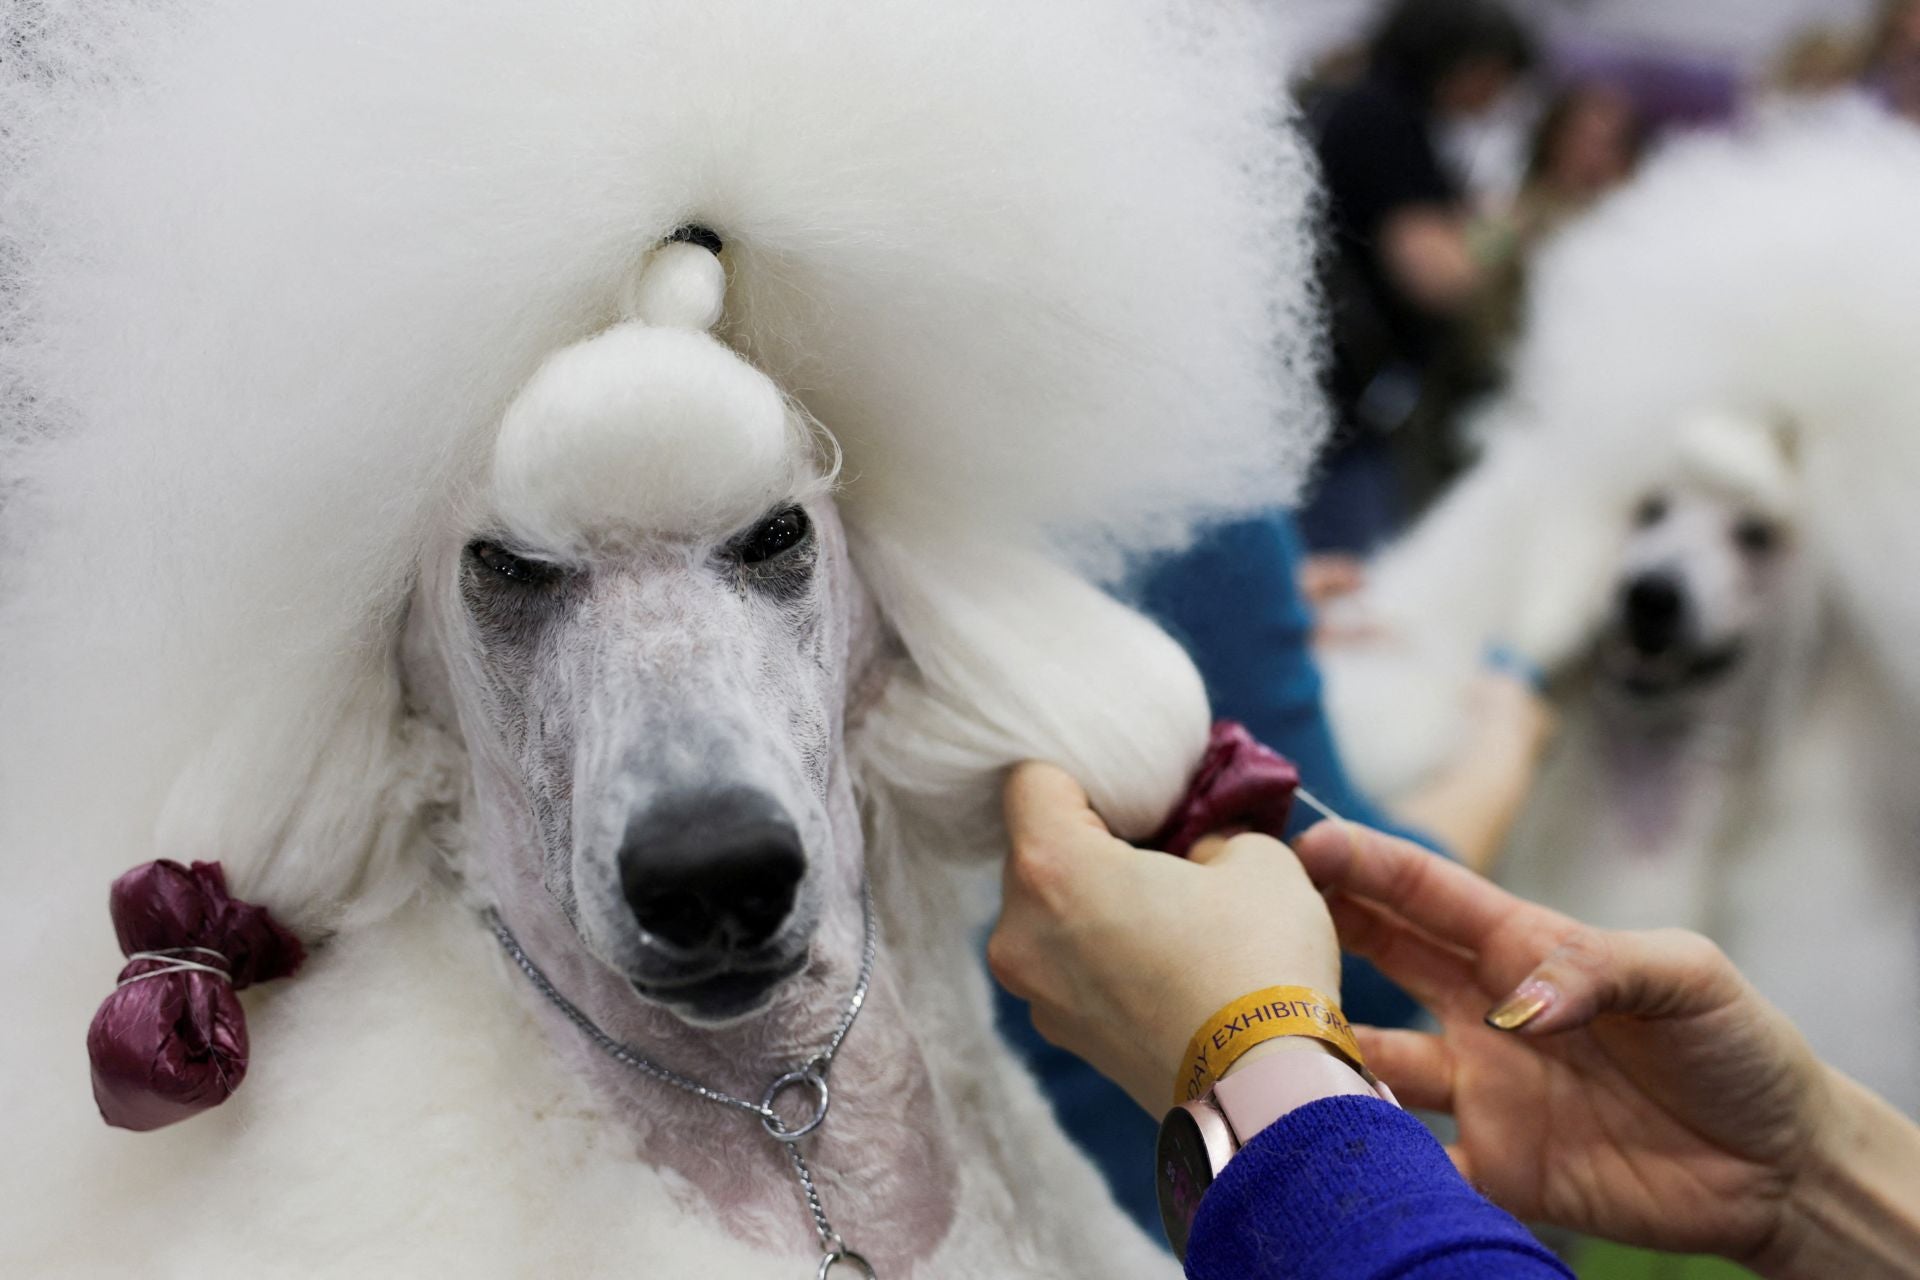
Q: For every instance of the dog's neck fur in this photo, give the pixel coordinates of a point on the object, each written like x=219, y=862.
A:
x=1668, y=767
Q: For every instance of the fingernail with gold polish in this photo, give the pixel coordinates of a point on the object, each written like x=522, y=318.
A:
x=1527, y=1002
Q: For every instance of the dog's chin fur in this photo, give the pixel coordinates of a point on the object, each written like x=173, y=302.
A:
x=1657, y=684
x=1767, y=279
x=723, y=1000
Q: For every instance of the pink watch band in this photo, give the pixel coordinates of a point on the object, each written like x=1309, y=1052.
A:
x=1259, y=1093
x=1198, y=1139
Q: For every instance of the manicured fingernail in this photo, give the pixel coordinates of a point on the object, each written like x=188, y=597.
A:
x=1527, y=1002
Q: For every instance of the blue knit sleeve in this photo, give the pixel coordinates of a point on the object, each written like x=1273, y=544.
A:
x=1355, y=1189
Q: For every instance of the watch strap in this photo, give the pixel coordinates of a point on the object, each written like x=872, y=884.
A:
x=1199, y=1138
x=1262, y=1091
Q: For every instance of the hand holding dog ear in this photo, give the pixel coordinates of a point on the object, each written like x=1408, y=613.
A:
x=1124, y=952
x=1630, y=1085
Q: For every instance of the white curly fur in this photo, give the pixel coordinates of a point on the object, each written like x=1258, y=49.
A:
x=1768, y=277
x=271, y=275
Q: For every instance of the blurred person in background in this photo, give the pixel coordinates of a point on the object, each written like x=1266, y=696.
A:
x=1340, y=67
x=1893, y=64
x=1588, y=142
x=1818, y=61
x=1818, y=73
x=1400, y=273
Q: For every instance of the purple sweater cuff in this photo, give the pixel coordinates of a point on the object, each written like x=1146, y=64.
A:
x=1354, y=1189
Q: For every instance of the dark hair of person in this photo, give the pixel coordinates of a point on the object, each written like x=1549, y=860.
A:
x=1419, y=43
x=1887, y=24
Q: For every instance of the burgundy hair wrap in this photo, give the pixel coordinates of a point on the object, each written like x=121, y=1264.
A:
x=1241, y=785
x=171, y=1041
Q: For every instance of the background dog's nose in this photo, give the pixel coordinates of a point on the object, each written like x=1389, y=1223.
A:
x=712, y=873
x=1654, y=611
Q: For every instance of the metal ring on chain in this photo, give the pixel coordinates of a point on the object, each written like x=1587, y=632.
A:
x=812, y=1079
x=848, y=1256
x=812, y=1074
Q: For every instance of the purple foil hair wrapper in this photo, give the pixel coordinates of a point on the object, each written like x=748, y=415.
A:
x=1241, y=785
x=168, y=1047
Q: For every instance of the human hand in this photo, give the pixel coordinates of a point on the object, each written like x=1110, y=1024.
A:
x=1640, y=1088
x=1472, y=804
x=1327, y=577
x=1124, y=952
x=1507, y=714
x=1334, y=589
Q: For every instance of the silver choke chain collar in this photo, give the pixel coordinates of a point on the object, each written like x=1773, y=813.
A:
x=810, y=1074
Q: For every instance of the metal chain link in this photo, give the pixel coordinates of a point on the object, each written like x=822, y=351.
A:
x=816, y=1066
x=869, y=948
x=829, y=1238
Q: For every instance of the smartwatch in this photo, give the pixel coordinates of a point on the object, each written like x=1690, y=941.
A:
x=1198, y=1138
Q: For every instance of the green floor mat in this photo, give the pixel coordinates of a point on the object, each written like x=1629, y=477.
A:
x=1599, y=1261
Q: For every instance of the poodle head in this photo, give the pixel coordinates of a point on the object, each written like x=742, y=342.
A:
x=640, y=636
x=1709, y=562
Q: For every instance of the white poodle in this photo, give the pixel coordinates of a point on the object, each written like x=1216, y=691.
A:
x=582, y=489
x=1699, y=514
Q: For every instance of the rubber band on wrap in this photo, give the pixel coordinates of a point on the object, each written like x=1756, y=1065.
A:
x=1240, y=784
x=171, y=1040
x=176, y=961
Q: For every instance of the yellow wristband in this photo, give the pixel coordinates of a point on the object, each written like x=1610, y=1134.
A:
x=1253, y=1020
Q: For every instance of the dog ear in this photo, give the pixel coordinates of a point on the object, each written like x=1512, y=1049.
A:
x=1013, y=657
x=315, y=817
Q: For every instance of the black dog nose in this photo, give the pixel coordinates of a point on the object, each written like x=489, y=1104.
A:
x=1655, y=612
x=712, y=873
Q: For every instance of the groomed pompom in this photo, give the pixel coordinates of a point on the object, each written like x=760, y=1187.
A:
x=682, y=285
x=656, y=429
x=171, y=1041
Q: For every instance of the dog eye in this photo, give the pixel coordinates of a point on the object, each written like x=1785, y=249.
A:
x=1756, y=536
x=1651, y=511
x=496, y=559
x=778, y=534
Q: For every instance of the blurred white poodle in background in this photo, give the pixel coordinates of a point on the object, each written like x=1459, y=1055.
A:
x=1698, y=514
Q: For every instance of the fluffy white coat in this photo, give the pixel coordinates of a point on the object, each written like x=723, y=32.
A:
x=271, y=275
